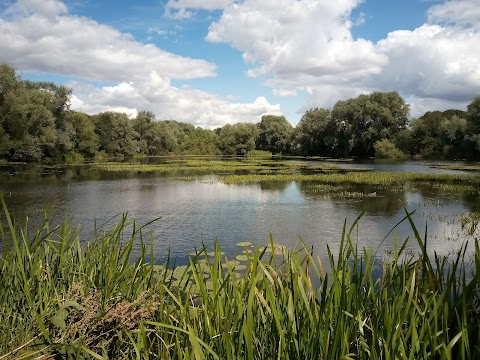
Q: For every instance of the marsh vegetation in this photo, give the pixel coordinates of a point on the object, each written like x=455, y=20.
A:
x=63, y=297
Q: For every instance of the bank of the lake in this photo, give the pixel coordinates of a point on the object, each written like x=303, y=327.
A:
x=62, y=297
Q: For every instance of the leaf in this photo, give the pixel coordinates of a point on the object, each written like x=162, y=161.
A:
x=74, y=304
x=59, y=318
x=244, y=243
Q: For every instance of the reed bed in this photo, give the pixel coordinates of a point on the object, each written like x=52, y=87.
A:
x=360, y=177
x=254, y=165
x=461, y=167
x=61, y=298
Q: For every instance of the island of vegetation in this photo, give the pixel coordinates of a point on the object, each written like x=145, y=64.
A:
x=36, y=124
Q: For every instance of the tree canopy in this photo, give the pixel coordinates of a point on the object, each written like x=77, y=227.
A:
x=36, y=123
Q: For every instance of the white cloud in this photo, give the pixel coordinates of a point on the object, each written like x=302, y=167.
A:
x=284, y=92
x=461, y=12
x=308, y=45
x=296, y=38
x=40, y=36
x=420, y=106
x=45, y=8
x=432, y=62
x=168, y=102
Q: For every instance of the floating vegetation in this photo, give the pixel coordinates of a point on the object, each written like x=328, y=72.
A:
x=464, y=167
x=249, y=165
x=242, y=257
x=244, y=243
x=446, y=181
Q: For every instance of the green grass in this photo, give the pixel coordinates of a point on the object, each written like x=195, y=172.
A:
x=464, y=167
x=63, y=298
x=446, y=181
x=251, y=165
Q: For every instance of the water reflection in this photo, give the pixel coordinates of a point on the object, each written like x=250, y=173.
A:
x=193, y=213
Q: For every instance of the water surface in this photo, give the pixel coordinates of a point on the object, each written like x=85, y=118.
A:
x=193, y=213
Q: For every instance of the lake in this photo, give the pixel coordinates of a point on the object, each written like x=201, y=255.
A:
x=197, y=211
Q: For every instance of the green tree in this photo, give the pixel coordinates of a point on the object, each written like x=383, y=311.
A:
x=274, y=134
x=473, y=128
x=8, y=81
x=147, y=140
x=385, y=149
x=237, y=139
x=201, y=142
x=426, y=134
x=85, y=139
x=315, y=133
x=363, y=121
x=453, y=133
x=31, y=118
x=115, y=133
x=29, y=124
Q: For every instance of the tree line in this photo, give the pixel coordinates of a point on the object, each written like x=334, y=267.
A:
x=36, y=124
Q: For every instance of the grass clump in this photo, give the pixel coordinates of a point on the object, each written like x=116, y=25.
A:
x=259, y=154
x=460, y=167
x=62, y=298
x=251, y=165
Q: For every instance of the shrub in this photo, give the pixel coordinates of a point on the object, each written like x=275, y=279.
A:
x=385, y=149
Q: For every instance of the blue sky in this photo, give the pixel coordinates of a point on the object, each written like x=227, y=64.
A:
x=223, y=61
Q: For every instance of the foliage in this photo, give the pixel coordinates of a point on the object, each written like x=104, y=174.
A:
x=274, y=134
x=363, y=121
x=62, y=298
x=259, y=154
x=36, y=124
x=385, y=149
x=314, y=134
x=237, y=139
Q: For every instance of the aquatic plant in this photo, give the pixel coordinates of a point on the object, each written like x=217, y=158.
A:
x=60, y=297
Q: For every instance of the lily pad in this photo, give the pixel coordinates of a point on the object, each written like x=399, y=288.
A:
x=230, y=263
x=180, y=271
x=244, y=243
x=242, y=257
x=158, y=268
x=240, y=267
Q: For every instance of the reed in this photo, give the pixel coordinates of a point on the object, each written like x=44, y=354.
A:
x=60, y=297
x=252, y=164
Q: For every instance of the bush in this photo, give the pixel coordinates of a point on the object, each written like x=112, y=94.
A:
x=259, y=154
x=73, y=157
x=385, y=149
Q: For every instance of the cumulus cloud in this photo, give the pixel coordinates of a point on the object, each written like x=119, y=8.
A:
x=432, y=62
x=284, y=92
x=39, y=35
x=308, y=45
x=45, y=8
x=461, y=12
x=296, y=38
x=168, y=102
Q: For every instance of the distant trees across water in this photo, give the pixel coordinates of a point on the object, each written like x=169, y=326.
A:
x=36, y=124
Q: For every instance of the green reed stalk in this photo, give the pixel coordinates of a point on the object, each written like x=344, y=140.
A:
x=65, y=298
